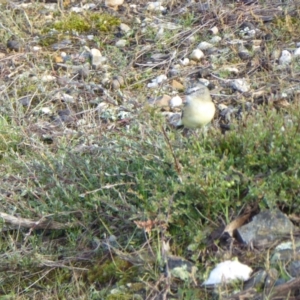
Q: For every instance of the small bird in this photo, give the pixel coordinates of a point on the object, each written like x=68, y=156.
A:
x=199, y=109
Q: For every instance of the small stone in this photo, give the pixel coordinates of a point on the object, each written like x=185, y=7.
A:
x=155, y=6
x=124, y=27
x=25, y=101
x=83, y=72
x=204, y=46
x=215, y=39
x=117, y=82
x=196, y=54
x=240, y=85
x=62, y=81
x=61, y=45
x=214, y=30
x=256, y=42
x=185, y=61
x=177, y=85
x=58, y=59
x=67, y=98
x=173, y=72
x=121, y=43
x=175, y=102
x=285, y=58
x=157, y=81
x=229, y=69
x=114, y=4
x=48, y=78
x=162, y=101
x=297, y=52
x=96, y=58
x=275, y=54
x=244, y=54
x=36, y=48
x=45, y=110
x=266, y=228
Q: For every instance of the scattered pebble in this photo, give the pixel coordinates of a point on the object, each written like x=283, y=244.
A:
x=47, y=78
x=124, y=27
x=196, y=55
x=214, y=30
x=177, y=85
x=96, y=58
x=204, y=46
x=121, y=43
x=215, y=40
x=185, y=61
x=175, y=102
x=155, y=6
x=13, y=45
x=114, y=4
x=285, y=58
x=228, y=271
x=297, y=52
x=240, y=85
x=157, y=81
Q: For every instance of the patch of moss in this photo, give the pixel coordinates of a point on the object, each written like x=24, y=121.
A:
x=87, y=22
x=110, y=270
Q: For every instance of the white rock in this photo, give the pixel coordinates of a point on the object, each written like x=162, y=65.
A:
x=77, y=9
x=124, y=27
x=48, y=78
x=68, y=98
x=204, y=81
x=156, y=81
x=196, y=55
x=36, y=48
x=215, y=39
x=297, y=52
x=160, y=32
x=175, y=102
x=96, y=58
x=113, y=3
x=285, y=58
x=228, y=271
x=229, y=69
x=46, y=110
x=240, y=85
x=214, y=30
x=185, y=61
x=155, y=6
x=121, y=43
x=205, y=46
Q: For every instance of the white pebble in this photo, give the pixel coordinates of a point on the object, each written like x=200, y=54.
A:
x=228, y=271
x=240, y=85
x=297, y=52
x=214, y=30
x=215, y=39
x=124, y=27
x=156, y=81
x=155, y=6
x=175, y=102
x=285, y=58
x=185, y=61
x=48, y=78
x=196, y=55
x=205, y=46
x=121, y=43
